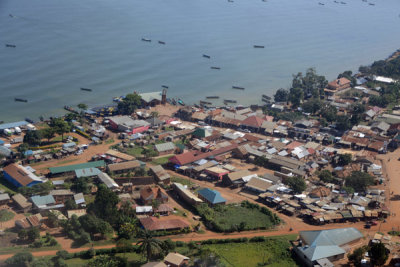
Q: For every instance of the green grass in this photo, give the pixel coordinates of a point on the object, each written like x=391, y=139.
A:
x=161, y=160
x=109, y=141
x=237, y=217
x=272, y=252
x=6, y=215
x=133, y=258
x=183, y=181
x=6, y=186
x=11, y=250
x=134, y=151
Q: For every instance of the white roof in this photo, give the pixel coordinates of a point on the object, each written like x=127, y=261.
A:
x=144, y=209
x=384, y=79
x=107, y=180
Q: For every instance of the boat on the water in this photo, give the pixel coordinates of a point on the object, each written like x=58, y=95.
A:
x=238, y=87
x=266, y=97
x=164, y=86
x=161, y=42
x=29, y=120
x=11, y=15
x=11, y=45
x=146, y=40
x=180, y=102
x=215, y=68
x=202, y=102
x=206, y=56
x=258, y=46
x=229, y=101
x=343, y=3
x=20, y=100
x=371, y=4
x=322, y=4
x=212, y=97
x=173, y=101
x=86, y=89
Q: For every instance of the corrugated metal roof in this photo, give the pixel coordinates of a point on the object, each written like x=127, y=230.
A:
x=107, y=180
x=212, y=196
x=87, y=172
x=165, y=147
x=69, y=168
x=13, y=124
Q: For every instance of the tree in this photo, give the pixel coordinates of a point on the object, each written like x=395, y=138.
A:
x=42, y=262
x=104, y=205
x=127, y=230
x=129, y=104
x=281, y=95
x=343, y=123
x=94, y=225
x=33, y=233
x=348, y=74
x=48, y=133
x=329, y=113
x=22, y=148
x=82, y=185
x=70, y=204
x=378, y=254
x=82, y=106
x=344, y=159
x=311, y=84
x=20, y=259
x=23, y=234
x=52, y=219
x=148, y=245
x=107, y=261
x=325, y=176
x=63, y=254
x=312, y=106
x=296, y=95
x=357, y=255
x=296, y=183
x=124, y=245
x=60, y=126
x=33, y=138
x=359, y=181
x=154, y=114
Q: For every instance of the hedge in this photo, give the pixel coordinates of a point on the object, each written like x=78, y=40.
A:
x=83, y=134
x=44, y=147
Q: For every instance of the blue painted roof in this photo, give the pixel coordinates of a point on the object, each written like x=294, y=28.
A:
x=28, y=153
x=1, y=142
x=326, y=243
x=43, y=200
x=13, y=124
x=5, y=151
x=213, y=196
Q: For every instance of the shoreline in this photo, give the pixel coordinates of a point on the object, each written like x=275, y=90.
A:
x=62, y=112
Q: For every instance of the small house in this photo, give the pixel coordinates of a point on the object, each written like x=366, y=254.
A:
x=211, y=197
x=148, y=195
x=165, y=148
x=4, y=199
x=22, y=203
x=174, y=259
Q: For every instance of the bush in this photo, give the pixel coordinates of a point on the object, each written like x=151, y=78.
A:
x=20, y=259
x=83, y=133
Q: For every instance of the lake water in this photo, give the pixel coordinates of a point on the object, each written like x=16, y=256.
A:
x=65, y=45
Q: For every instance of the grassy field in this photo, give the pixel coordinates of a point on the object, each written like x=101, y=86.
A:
x=234, y=217
x=183, y=181
x=134, y=151
x=6, y=215
x=6, y=186
x=272, y=252
x=134, y=259
x=161, y=160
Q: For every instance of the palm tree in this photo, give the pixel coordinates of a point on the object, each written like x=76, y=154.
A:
x=147, y=244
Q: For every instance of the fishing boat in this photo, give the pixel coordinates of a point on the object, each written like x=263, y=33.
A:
x=231, y=1
x=229, y=101
x=212, y=97
x=20, y=100
x=173, y=101
x=11, y=15
x=161, y=42
x=11, y=45
x=371, y=4
x=206, y=56
x=322, y=4
x=180, y=102
x=258, y=46
x=202, y=102
x=29, y=120
x=266, y=100
x=86, y=89
x=266, y=97
x=146, y=40
x=343, y=3
x=164, y=86
x=215, y=68
x=237, y=87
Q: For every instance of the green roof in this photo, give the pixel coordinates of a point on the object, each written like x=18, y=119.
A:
x=70, y=168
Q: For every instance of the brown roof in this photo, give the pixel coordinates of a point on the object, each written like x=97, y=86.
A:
x=149, y=193
x=233, y=176
x=18, y=174
x=253, y=121
x=293, y=145
x=338, y=83
x=164, y=208
x=258, y=184
x=34, y=220
x=21, y=201
x=191, y=156
x=175, y=258
x=320, y=192
x=124, y=165
x=154, y=224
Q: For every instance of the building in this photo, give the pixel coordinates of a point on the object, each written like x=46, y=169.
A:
x=165, y=148
x=211, y=197
x=236, y=178
x=4, y=199
x=186, y=195
x=61, y=195
x=161, y=175
x=258, y=185
x=69, y=170
x=337, y=86
x=128, y=125
x=22, y=203
x=20, y=176
x=153, y=98
x=87, y=172
x=325, y=245
x=30, y=221
x=253, y=123
x=78, y=213
x=216, y=172
x=45, y=202
x=148, y=195
x=80, y=199
x=107, y=180
x=174, y=259
x=124, y=167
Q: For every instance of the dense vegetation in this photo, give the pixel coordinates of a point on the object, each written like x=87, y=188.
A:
x=233, y=217
x=386, y=68
x=359, y=181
